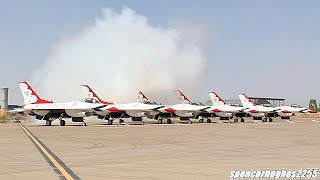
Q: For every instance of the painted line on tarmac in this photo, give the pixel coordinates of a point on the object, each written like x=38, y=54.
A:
x=314, y=121
x=51, y=158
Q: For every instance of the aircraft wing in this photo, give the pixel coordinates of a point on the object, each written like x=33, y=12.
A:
x=136, y=107
x=227, y=109
x=18, y=110
x=65, y=106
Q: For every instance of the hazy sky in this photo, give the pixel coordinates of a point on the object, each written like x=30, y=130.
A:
x=263, y=48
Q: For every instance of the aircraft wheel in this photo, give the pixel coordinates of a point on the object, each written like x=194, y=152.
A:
x=242, y=120
x=84, y=124
x=62, y=122
x=48, y=123
x=270, y=119
x=200, y=120
x=121, y=121
x=264, y=119
x=110, y=122
x=169, y=121
x=160, y=121
x=208, y=120
x=235, y=120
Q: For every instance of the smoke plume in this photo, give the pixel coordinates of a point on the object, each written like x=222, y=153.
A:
x=119, y=54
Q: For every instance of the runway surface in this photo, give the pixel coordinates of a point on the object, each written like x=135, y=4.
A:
x=152, y=151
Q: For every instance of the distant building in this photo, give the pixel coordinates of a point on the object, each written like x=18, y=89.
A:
x=313, y=105
x=4, y=97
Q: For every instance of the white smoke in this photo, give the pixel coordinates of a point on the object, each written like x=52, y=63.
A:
x=118, y=55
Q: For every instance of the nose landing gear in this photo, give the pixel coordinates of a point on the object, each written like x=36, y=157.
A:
x=62, y=122
x=48, y=123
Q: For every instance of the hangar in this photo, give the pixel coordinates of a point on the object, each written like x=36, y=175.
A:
x=265, y=101
x=272, y=102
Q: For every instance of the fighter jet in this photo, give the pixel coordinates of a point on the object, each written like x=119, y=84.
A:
x=221, y=109
x=136, y=111
x=258, y=111
x=185, y=111
x=49, y=111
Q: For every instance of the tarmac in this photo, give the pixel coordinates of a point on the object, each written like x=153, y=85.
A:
x=158, y=151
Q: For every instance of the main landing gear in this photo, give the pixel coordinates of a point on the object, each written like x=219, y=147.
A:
x=266, y=119
x=237, y=120
x=62, y=122
x=169, y=121
x=121, y=122
x=202, y=120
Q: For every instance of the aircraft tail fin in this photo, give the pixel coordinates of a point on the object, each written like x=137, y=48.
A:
x=216, y=99
x=246, y=101
x=182, y=98
x=89, y=93
x=29, y=95
x=313, y=105
x=142, y=98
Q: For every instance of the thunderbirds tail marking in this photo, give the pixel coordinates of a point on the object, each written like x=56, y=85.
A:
x=29, y=95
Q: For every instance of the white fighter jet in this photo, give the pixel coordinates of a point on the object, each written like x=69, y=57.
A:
x=50, y=111
x=295, y=109
x=136, y=111
x=186, y=110
x=221, y=109
x=258, y=111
